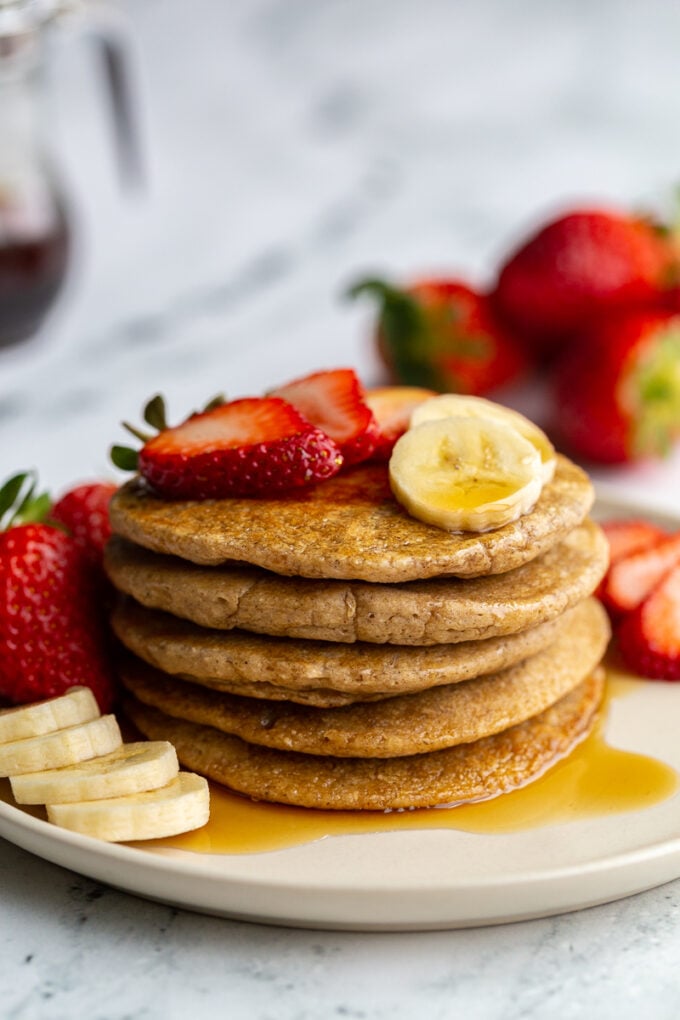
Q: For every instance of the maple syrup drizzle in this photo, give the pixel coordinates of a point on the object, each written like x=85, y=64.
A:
x=594, y=780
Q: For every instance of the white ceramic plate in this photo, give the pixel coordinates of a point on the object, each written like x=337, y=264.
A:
x=406, y=880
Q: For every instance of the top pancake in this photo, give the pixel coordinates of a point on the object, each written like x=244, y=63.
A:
x=349, y=527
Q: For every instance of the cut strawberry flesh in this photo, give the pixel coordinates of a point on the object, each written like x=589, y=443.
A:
x=249, y=447
x=649, y=637
x=392, y=407
x=238, y=424
x=631, y=579
x=630, y=536
x=334, y=402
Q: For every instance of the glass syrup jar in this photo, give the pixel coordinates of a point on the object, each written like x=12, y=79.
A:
x=35, y=230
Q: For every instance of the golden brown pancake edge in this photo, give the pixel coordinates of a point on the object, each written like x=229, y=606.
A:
x=403, y=725
x=469, y=772
x=348, y=527
x=258, y=665
x=438, y=611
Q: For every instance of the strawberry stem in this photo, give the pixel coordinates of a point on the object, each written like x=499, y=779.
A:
x=144, y=437
x=154, y=414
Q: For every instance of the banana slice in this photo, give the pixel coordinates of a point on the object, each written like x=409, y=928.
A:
x=132, y=768
x=77, y=706
x=456, y=405
x=182, y=805
x=465, y=474
x=63, y=747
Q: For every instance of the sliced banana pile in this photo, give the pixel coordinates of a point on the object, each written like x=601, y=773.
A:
x=62, y=753
x=467, y=464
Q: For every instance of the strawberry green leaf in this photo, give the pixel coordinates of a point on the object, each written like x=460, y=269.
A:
x=124, y=458
x=19, y=503
x=9, y=492
x=33, y=509
x=154, y=413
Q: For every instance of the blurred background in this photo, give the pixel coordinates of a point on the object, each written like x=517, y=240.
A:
x=289, y=146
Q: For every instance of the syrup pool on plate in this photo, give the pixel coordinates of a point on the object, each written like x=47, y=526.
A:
x=595, y=779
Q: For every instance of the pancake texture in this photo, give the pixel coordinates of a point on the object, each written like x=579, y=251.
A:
x=455, y=775
x=325, y=649
x=430, y=612
x=226, y=660
x=349, y=527
x=405, y=725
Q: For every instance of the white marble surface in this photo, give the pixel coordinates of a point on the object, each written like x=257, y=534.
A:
x=292, y=145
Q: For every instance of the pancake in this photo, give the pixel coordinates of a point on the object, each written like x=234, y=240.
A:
x=348, y=527
x=468, y=772
x=258, y=665
x=405, y=725
x=430, y=612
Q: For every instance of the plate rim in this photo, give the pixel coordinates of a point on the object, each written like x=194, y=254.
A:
x=126, y=867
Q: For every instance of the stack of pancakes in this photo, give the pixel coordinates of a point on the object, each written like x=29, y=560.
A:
x=327, y=650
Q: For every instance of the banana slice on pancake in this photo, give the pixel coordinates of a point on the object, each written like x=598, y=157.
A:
x=463, y=473
x=457, y=405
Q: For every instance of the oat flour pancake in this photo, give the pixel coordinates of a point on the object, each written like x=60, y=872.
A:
x=468, y=772
x=318, y=672
x=348, y=527
x=404, y=725
x=415, y=613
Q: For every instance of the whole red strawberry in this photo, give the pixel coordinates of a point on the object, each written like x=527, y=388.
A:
x=443, y=335
x=84, y=512
x=617, y=389
x=581, y=266
x=52, y=634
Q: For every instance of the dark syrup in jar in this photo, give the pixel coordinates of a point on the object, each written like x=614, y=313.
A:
x=32, y=269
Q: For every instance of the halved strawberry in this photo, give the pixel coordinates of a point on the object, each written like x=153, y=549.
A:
x=256, y=446
x=334, y=401
x=649, y=637
x=632, y=578
x=392, y=407
x=626, y=537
